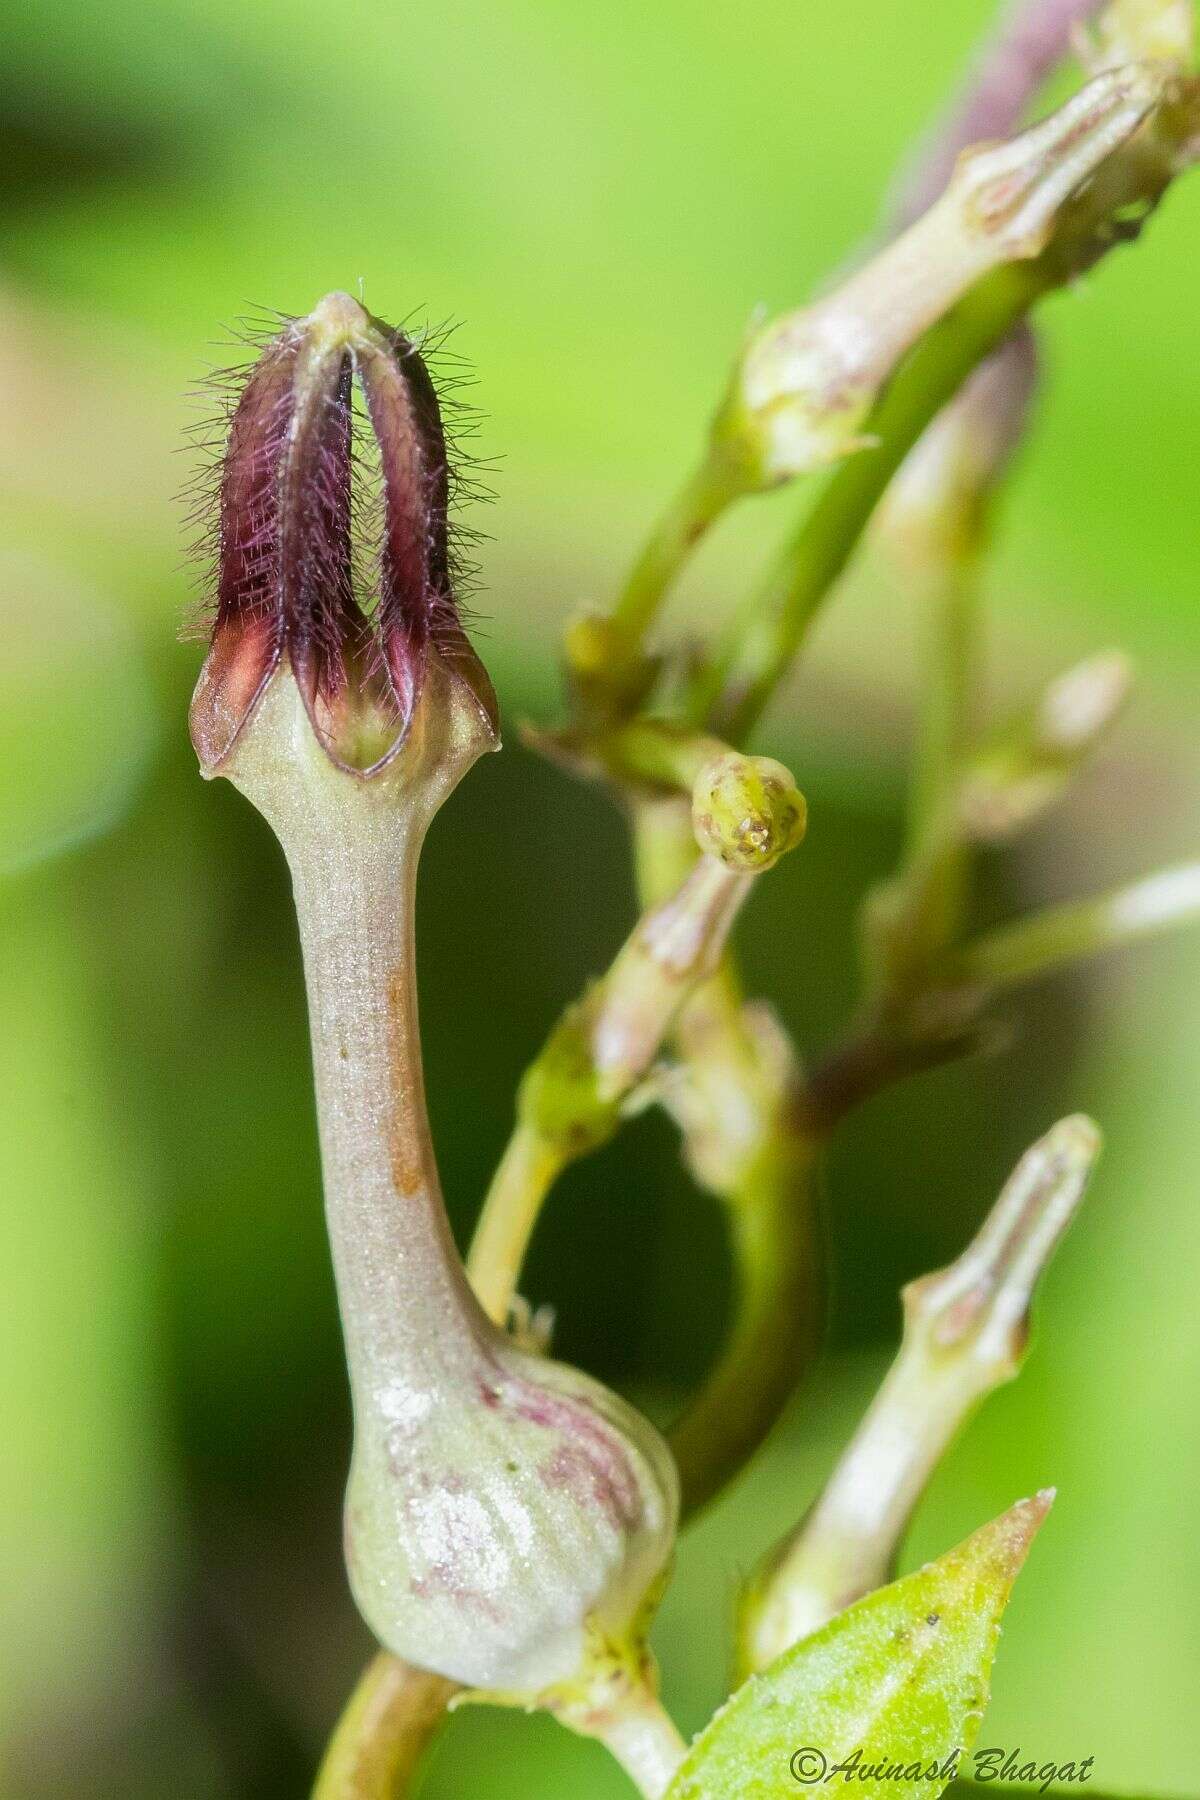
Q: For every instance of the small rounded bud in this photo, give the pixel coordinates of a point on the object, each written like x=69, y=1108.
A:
x=1081, y=704
x=1031, y=762
x=747, y=811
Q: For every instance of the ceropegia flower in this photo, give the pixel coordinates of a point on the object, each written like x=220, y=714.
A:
x=507, y=1519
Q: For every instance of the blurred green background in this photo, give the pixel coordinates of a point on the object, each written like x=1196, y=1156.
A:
x=602, y=194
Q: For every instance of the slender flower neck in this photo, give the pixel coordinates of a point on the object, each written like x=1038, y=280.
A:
x=400, y=1283
x=353, y=847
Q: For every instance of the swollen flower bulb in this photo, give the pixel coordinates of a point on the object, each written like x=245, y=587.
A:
x=505, y=1518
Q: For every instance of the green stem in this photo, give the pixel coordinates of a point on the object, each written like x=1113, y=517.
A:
x=765, y=1174
x=704, y=495
x=918, y=913
x=778, y=1317
x=1062, y=934
x=383, y=1733
x=524, y=1176
x=950, y=629
x=658, y=753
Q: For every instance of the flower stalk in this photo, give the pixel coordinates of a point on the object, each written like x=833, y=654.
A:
x=646, y=1742
x=1028, y=948
x=746, y=813
x=383, y=1733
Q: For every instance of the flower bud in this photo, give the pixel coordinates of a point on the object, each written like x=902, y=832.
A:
x=1159, y=30
x=334, y=546
x=1012, y=66
x=966, y=1331
x=605, y=677
x=672, y=948
x=747, y=811
x=806, y=382
x=1030, y=762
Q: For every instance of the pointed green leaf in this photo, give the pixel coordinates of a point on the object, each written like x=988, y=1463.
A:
x=898, y=1683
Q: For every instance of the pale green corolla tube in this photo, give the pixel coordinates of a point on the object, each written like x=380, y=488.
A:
x=966, y=1332
x=806, y=382
x=508, y=1521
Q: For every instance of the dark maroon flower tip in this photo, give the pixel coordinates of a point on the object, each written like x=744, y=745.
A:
x=334, y=546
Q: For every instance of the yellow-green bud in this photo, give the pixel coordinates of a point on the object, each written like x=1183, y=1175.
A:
x=747, y=811
x=606, y=671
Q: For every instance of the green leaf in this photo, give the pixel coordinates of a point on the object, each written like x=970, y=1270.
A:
x=899, y=1682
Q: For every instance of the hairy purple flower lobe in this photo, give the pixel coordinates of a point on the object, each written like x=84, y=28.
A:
x=334, y=546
